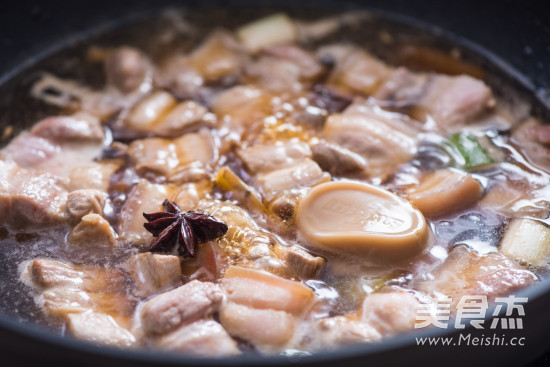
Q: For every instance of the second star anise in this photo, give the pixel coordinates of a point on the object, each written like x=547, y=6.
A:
x=186, y=230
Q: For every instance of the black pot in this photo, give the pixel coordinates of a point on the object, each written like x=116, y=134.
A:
x=510, y=39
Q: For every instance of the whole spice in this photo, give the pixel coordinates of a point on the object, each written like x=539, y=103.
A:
x=186, y=230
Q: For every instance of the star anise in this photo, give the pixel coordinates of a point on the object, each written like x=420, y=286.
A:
x=186, y=230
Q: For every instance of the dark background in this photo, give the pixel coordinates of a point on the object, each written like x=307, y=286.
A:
x=515, y=31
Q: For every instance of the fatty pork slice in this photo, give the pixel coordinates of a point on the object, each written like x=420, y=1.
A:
x=160, y=114
x=154, y=273
x=99, y=328
x=390, y=313
x=28, y=198
x=206, y=338
x=283, y=69
x=355, y=71
x=269, y=157
x=218, y=60
x=128, y=69
x=145, y=197
x=465, y=272
x=451, y=101
x=57, y=144
x=83, y=296
x=168, y=159
x=337, y=331
x=262, y=308
x=181, y=306
x=385, y=140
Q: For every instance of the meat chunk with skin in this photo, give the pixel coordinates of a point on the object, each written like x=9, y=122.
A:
x=220, y=56
x=162, y=158
x=283, y=68
x=302, y=263
x=304, y=173
x=65, y=289
x=267, y=329
x=159, y=114
x=390, y=313
x=28, y=198
x=84, y=202
x=99, y=328
x=464, y=272
x=268, y=157
x=205, y=338
x=94, y=175
x=62, y=301
x=337, y=160
x=403, y=89
x=183, y=305
x=262, y=290
x=46, y=273
x=145, y=197
x=356, y=71
x=93, y=232
x=242, y=106
x=332, y=332
x=127, y=69
x=153, y=273
x=453, y=101
x=79, y=127
x=366, y=131
x=56, y=145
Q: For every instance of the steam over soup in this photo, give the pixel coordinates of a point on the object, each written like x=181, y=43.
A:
x=270, y=191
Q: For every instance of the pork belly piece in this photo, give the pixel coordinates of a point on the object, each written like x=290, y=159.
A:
x=56, y=144
x=65, y=289
x=464, y=272
x=84, y=202
x=220, y=56
x=242, y=106
x=450, y=100
x=302, y=263
x=163, y=158
x=63, y=301
x=337, y=160
x=262, y=290
x=183, y=305
x=368, y=132
x=269, y=157
x=128, y=69
x=99, y=328
x=355, y=70
x=145, y=197
x=390, y=313
x=93, y=232
x=332, y=332
x=205, y=338
x=283, y=69
x=218, y=60
x=453, y=101
x=159, y=114
x=533, y=140
x=94, y=175
x=304, y=173
x=80, y=127
x=46, y=273
x=267, y=329
x=153, y=273
x=28, y=198
x=403, y=89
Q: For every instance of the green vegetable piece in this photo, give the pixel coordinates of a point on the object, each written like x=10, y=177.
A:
x=467, y=151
